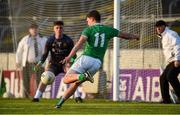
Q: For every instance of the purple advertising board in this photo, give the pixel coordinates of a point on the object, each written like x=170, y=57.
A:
x=139, y=85
x=134, y=85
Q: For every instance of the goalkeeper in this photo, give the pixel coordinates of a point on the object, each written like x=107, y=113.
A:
x=59, y=46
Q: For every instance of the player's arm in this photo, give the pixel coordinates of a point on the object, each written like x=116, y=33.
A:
x=71, y=46
x=44, y=56
x=175, y=40
x=19, y=52
x=76, y=47
x=128, y=36
x=46, y=52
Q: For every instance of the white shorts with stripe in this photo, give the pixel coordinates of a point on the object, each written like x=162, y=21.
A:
x=86, y=63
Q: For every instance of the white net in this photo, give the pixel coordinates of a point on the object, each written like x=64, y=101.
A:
x=45, y=12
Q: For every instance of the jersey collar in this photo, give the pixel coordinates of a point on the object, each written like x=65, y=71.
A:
x=96, y=24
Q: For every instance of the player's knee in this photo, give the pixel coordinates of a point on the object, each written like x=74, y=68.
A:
x=66, y=80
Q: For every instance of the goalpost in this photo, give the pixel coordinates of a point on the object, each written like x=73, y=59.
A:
x=116, y=50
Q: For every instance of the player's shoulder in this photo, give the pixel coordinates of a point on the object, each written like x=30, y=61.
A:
x=50, y=39
x=87, y=28
x=109, y=27
x=25, y=38
x=105, y=27
x=172, y=32
x=90, y=28
x=42, y=37
x=67, y=37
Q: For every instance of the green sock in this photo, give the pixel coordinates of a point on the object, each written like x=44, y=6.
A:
x=61, y=101
x=81, y=77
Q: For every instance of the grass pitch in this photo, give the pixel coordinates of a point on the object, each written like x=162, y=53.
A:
x=93, y=106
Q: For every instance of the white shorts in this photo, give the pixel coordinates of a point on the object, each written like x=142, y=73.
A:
x=86, y=63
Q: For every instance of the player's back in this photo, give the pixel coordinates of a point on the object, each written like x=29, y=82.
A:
x=98, y=37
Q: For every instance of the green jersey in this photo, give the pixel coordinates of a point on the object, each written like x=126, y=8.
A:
x=98, y=37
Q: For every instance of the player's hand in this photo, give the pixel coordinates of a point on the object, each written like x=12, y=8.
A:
x=37, y=66
x=177, y=63
x=65, y=60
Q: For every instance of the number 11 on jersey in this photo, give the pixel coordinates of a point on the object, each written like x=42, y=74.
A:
x=97, y=37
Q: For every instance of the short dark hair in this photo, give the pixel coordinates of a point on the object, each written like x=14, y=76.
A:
x=160, y=23
x=33, y=25
x=59, y=23
x=95, y=14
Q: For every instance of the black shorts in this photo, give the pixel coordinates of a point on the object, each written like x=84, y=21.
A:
x=56, y=68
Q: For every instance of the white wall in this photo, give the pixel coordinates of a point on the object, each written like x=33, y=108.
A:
x=134, y=59
x=5, y=59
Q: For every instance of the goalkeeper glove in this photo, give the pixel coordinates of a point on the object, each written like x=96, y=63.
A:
x=36, y=67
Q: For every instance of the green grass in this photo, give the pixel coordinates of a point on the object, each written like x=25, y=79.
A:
x=93, y=106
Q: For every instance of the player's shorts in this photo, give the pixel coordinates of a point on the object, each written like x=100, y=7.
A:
x=56, y=68
x=86, y=63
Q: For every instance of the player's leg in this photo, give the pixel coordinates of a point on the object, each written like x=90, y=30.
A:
x=73, y=86
x=68, y=93
x=26, y=80
x=172, y=77
x=83, y=70
x=71, y=78
x=164, y=85
x=77, y=95
x=78, y=71
x=74, y=77
x=85, y=65
x=39, y=92
x=42, y=87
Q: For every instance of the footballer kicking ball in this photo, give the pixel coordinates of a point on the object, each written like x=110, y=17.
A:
x=47, y=77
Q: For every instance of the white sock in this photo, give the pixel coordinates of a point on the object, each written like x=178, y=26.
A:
x=38, y=94
x=77, y=93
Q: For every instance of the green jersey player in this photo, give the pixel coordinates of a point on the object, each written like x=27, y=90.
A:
x=96, y=37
